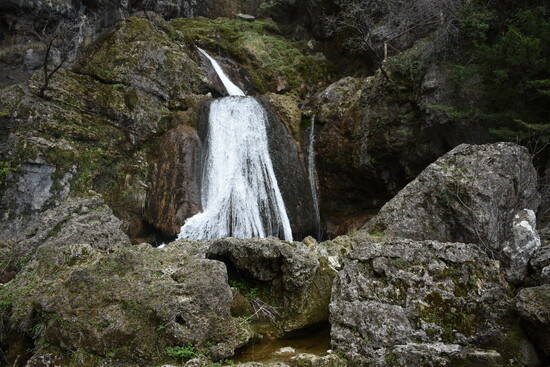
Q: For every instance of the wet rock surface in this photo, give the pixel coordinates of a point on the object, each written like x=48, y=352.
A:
x=175, y=192
x=470, y=194
x=292, y=176
x=344, y=181
x=400, y=302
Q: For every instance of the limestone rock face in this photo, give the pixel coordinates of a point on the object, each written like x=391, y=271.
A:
x=98, y=127
x=377, y=134
x=400, y=302
x=32, y=189
x=175, y=192
x=121, y=307
x=533, y=305
x=80, y=220
x=291, y=276
x=339, y=145
x=525, y=243
x=470, y=194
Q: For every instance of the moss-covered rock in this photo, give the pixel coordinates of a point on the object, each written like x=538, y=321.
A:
x=287, y=110
x=288, y=284
x=407, y=113
x=146, y=55
x=132, y=306
x=271, y=62
x=96, y=127
x=78, y=220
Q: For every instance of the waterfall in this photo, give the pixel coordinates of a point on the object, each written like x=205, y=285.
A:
x=240, y=195
x=312, y=172
x=231, y=88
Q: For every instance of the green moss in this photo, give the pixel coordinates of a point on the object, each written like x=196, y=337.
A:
x=252, y=289
x=400, y=263
x=449, y=316
x=55, y=230
x=391, y=360
x=268, y=58
x=452, y=112
x=5, y=168
x=377, y=234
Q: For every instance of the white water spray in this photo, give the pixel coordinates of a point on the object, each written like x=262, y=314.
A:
x=312, y=171
x=240, y=194
x=231, y=88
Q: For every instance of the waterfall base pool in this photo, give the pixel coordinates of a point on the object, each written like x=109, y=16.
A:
x=314, y=340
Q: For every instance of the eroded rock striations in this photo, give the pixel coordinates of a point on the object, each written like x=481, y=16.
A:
x=175, y=192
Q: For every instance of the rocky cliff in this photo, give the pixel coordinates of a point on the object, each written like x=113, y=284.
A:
x=436, y=248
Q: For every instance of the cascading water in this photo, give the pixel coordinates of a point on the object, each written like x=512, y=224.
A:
x=231, y=88
x=312, y=172
x=240, y=194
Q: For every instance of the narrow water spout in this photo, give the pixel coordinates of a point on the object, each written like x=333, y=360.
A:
x=231, y=88
x=312, y=172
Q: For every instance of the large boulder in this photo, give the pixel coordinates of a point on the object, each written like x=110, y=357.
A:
x=79, y=220
x=470, y=195
x=399, y=302
x=136, y=305
x=291, y=279
x=175, y=192
x=533, y=305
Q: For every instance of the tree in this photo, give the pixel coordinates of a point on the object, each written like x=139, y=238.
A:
x=61, y=38
x=379, y=27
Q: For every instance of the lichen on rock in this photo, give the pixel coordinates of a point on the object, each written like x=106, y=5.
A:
x=400, y=302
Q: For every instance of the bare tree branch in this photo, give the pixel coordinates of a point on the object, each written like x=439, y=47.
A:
x=60, y=37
